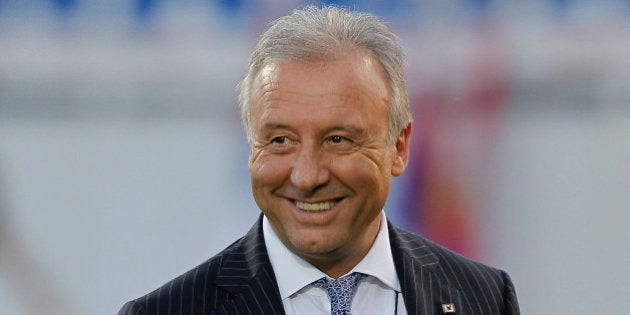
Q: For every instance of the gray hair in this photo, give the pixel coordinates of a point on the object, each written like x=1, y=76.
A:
x=321, y=34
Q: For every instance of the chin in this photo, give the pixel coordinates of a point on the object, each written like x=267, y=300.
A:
x=317, y=246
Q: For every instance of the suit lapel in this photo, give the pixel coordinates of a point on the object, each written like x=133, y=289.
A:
x=424, y=290
x=247, y=275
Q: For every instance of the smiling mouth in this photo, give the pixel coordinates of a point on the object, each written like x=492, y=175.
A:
x=315, y=206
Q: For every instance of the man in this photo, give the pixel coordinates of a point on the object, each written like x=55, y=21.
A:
x=325, y=109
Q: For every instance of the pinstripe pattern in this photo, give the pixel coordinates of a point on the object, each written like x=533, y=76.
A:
x=431, y=275
x=240, y=280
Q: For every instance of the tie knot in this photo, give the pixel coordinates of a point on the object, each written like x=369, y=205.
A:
x=340, y=291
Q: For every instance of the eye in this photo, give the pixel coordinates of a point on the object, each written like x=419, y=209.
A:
x=336, y=139
x=280, y=140
x=339, y=144
x=281, y=144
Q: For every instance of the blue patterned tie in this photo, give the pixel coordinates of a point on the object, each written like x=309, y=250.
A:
x=340, y=291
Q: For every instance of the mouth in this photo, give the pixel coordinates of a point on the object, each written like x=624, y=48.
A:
x=315, y=206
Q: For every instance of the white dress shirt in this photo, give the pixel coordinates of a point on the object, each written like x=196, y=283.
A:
x=376, y=294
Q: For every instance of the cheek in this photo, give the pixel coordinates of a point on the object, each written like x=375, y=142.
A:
x=368, y=165
x=267, y=171
x=358, y=171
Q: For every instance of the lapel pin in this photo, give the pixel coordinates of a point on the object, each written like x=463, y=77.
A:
x=448, y=308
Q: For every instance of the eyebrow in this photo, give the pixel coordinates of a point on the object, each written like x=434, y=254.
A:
x=347, y=128
x=351, y=129
x=274, y=126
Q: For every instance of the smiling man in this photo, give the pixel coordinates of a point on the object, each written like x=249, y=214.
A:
x=325, y=109
x=322, y=158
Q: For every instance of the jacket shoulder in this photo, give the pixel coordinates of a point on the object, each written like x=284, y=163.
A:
x=186, y=294
x=484, y=289
x=455, y=267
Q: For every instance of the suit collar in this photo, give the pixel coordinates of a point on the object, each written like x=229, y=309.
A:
x=424, y=290
x=247, y=274
x=246, y=271
x=245, y=259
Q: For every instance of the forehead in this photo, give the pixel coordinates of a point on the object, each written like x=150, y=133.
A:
x=355, y=78
x=356, y=64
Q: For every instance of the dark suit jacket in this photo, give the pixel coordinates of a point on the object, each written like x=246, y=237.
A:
x=240, y=280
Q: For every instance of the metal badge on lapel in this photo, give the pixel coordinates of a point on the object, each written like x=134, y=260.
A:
x=448, y=308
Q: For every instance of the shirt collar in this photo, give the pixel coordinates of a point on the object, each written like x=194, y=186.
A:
x=298, y=273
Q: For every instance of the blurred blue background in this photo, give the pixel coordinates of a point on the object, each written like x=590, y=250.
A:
x=123, y=162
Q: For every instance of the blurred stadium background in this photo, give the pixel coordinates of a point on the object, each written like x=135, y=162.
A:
x=123, y=163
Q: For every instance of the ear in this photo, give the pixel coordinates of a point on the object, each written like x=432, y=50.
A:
x=401, y=151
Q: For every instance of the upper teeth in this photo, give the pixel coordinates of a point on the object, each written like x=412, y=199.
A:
x=318, y=206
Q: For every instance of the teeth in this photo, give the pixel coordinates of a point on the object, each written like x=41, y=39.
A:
x=318, y=206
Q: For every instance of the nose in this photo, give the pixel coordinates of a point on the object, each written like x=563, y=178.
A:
x=309, y=170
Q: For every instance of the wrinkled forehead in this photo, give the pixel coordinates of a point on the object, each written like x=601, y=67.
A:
x=301, y=94
x=353, y=71
x=326, y=56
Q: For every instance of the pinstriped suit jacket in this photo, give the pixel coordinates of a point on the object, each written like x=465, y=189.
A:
x=240, y=280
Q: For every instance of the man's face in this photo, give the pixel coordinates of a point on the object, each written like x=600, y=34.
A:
x=321, y=162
